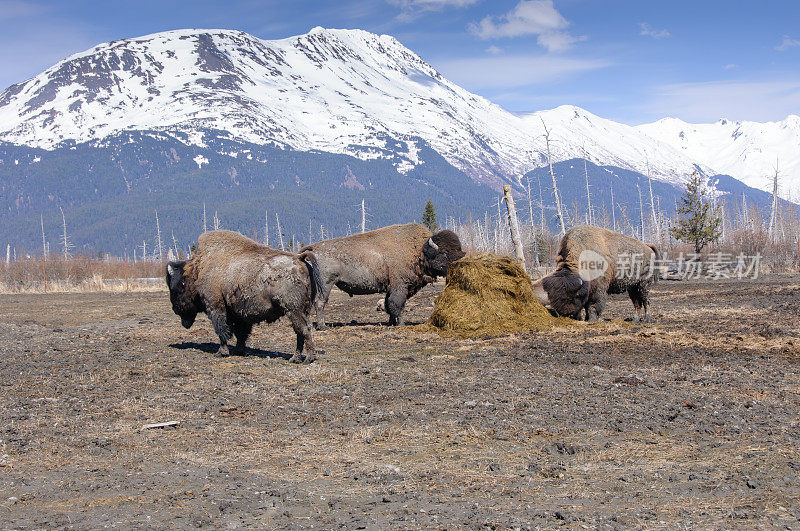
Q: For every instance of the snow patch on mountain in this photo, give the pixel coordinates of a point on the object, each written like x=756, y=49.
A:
x=577, y=133
x=339, y=91
x=748, y=151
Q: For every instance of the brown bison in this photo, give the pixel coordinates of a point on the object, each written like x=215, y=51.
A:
x=398, y=260
x=239, y=283
x=593, y=262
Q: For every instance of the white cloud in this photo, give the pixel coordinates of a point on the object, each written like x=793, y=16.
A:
x=737, y=100
x=508, y=72
x=529, y=17
x=558, y=41
x=730, y=66
x=494, y=50
x=645, y=29
x=412, y=9
x=787, y=43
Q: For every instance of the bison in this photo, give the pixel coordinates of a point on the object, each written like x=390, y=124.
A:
x=398, y=260
x=593, y=262
x=238, y=283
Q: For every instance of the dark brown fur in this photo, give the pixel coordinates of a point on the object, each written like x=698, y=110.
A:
x=397, y=260
x=567, y=293
x=239, y=283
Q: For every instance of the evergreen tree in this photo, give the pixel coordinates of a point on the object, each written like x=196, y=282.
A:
x=700, y=222
x=429, y=217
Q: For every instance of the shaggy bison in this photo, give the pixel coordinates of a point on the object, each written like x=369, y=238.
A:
x=593, y=262
x=398, y=260
x=239, y=283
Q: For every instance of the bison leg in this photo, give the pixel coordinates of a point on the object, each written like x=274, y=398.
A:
x=644, y=294
x=319, y=306
x=302, y=328
x=638, y=299
x=242, y=331
x=596, y=306
x=395, y=303
x=220, y=321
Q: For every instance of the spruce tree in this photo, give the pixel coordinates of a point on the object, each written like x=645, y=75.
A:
x=700, y=222
x=429, y=217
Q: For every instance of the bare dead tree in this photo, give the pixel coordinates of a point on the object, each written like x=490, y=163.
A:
x=44, y=242
x=216, y=222
x=641, y=212
x=159, y=243
x=541, y=204
x=553, y=176
x=613, y=212
x=653, y=205
x=513, y=225
x=280, y=234
x=773, y=218
x=204, y=217
x=64, y=239
x=363, y=217
x=533, y=230
x=589, y=219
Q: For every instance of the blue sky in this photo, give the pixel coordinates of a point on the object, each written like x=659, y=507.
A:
x=633, y=61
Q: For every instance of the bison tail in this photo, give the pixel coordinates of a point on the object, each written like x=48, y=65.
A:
x=313, y=270
x=657, y=273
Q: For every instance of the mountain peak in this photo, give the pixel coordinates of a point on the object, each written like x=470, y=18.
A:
x=345, y=91
x=745, y=150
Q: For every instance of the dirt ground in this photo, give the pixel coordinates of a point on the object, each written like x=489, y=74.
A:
x=690, y=421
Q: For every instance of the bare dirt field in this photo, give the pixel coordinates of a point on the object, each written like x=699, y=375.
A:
x=690, y=421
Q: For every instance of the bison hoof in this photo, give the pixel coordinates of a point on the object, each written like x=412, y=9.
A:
x=320, y=326
x=309, y=358
x=297, y=358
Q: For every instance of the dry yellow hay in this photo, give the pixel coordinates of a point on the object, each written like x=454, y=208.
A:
x=488, y=295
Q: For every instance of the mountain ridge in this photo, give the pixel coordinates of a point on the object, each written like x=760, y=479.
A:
x=330, y=90
x=750, y=151
x=306, y=128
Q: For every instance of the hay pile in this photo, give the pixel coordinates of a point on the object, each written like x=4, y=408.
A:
x=488, y=295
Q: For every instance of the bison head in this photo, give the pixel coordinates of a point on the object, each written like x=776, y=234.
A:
x=441, y=250
x=563, y=291
x=185, y=303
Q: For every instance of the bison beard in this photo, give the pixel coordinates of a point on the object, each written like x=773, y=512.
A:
x=567, y=292
x=239, y=283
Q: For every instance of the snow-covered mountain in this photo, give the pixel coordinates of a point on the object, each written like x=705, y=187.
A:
x=336, y=91
x=749, y=151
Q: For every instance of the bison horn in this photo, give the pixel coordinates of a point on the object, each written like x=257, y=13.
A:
x=540, y=293
x=432, y=244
